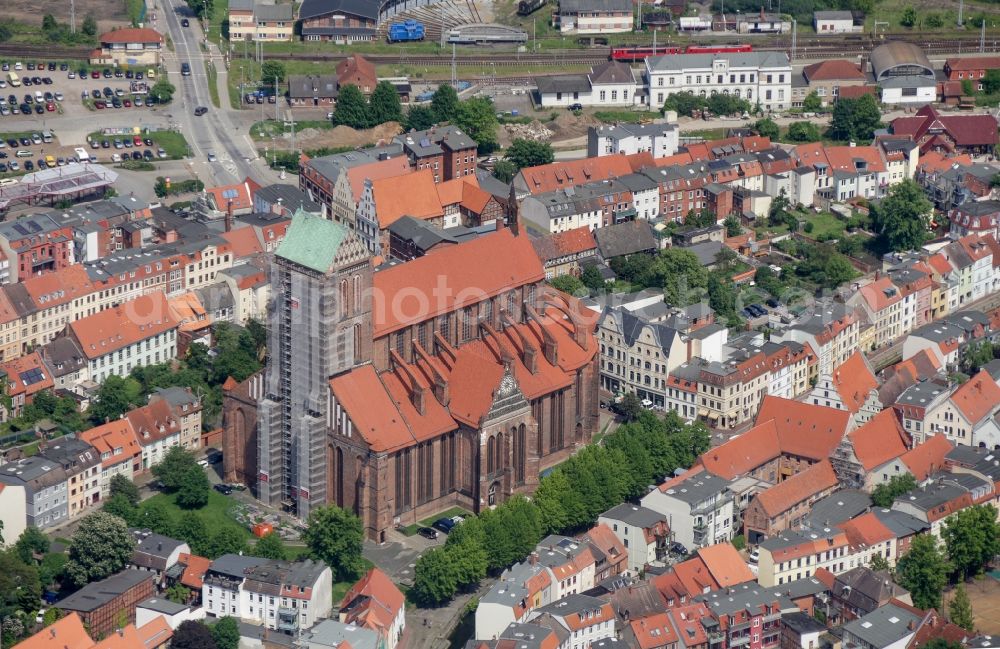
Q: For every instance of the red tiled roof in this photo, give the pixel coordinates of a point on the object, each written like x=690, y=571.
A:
x=452, y=278
x=803, y=429
x=866, y=530
x=853, y=92
x=568, y=173
x=65, y=633
x=564, y=243
x=935, y=161
x=687, y=623
x=973, y=63
x=928, y=457
x=965, y=130
x=372, y=411
x=17, y=368
x=743, y=453
x=450, y=191
x=59, y=287
x=854, y=381
x=681, y=158
x=876, y=296
x=116, y=434
x=845, y=158
x=244, y=242
x=125, y=638
x=132, y=35
x=474, y=198
x=153, y=422
x=155, y=633
x=725, y=564
x=940, y=263
x=115, y=328
x=241, y=194
x=977, y=397
x=412, y=194
x=383, y=604
x=798, y=488
x=195, y=568
x=879, y=440
x=833, y=69
x=356, y=176
x=654, y=632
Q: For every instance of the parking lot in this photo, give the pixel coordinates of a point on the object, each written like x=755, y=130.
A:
x=47, y=116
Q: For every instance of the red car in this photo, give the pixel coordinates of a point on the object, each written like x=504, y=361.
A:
x=127, y=103
x=137, y=141
x=99, y=105
x=50, y=107
x=94, y=74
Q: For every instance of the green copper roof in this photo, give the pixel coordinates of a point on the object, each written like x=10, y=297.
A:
x=312, y=241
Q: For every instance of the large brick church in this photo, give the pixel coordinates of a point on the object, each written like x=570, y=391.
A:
x=400, y=391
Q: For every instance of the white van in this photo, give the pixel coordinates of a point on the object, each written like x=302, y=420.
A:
x=23, y=153
x=6, y=182
x=46, y=136
x=81, y=154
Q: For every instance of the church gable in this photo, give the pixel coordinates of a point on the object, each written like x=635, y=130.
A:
x=508, y=399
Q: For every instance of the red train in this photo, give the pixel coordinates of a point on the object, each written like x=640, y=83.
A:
x=641, y=52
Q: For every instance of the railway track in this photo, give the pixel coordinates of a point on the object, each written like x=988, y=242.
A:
x=500, y=57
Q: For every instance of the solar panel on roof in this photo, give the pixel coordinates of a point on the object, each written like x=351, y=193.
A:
x=425, y=142
x=32, y=376
x=230, y=193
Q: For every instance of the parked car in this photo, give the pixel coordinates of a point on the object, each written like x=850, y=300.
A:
x=445, y=524
x=185, y=22
x=428, y=533
x=223, y=489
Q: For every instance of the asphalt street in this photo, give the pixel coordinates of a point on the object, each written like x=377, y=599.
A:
x=217, y=131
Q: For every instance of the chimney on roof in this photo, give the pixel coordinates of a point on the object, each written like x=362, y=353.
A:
x=229, y=216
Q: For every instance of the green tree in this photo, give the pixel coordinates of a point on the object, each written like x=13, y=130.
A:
x=804, y=132
x=838, y=271
x=975, y=355
x=855, y=119
x=226, y=633
x=684, y=103
x=173, y=468
x=334, y=535
x=49, y=23
x=559, y=505
x=478, y=118
x=991, y=82
x=179, y=593
x=630, y=406
x=30, y=543
x=722, y=296
x=384, y=105
x=513, y=528
x=52, y=568
x=191, y=529
x=768, y=280
x=444, y=103
x=886, y=493
x=118, y=505
x=5, y=33
x=592, y=279
x=435, y=578
x=20, y=588
x=194, y=489
x=122, y=486
x=270, y=546
x=115, y=397
x=923, y=571
x=466, y=547
x=879, y=563
x=902, y=219
x=272, y=73
x=767, y=127
x=89, y=26
x=972, y=539
x=722, y=104
x=227, y=540
x=568, y=284
x=155, y=515
x=733, y=226
x=420, y=118
x=504, y=171
x=909, y=17
x=192, y=635
x=934, y=21
x=162, y=91
x=812, y=103
x=101, y=547
x=960, y=609
x=352, y=108
x=529, y=153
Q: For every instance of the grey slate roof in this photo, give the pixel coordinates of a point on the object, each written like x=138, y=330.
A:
x=578, y=6
x=274, y=12
x=698, y=488
x=98, y=593
x=634, y=515
x=612, y=72
x=631, y=327
x=882, y=627
x=315, y=8
x=312, y=86
x=706, y=251
x=923, y=393
x=563, y=83
x=331, y=633
x=152, y=550
x=802, y=623
x=677, y=62
x=163, y=605
x=838, y=507
x=833, y=15
x=625, y=239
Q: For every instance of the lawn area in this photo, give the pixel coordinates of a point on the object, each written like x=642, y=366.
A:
x=824, y=223
x=172, y=142
x=213, y=85
x=626, y=116
x=410, y=530
x=707, y=133
x=215, y=514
